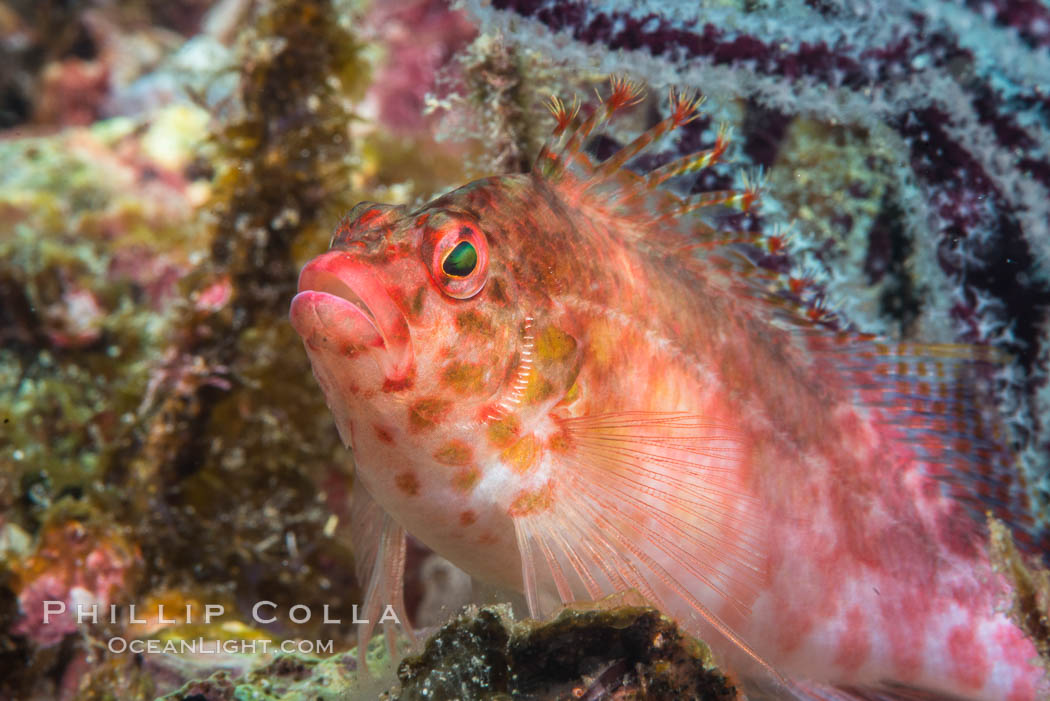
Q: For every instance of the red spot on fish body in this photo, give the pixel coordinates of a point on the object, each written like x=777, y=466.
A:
x=957, y=535
x=408, y=483
x=968, y=659
x=907, y=621
x=1022, y=690
x=467, y=518
x=854, y=645
x=464, y=480
x=400, y=384
x=795, y=624
x=383, y=434
x=425, y=414
x=454, y=452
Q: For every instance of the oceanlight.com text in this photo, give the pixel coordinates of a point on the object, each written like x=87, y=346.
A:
x=202, y=646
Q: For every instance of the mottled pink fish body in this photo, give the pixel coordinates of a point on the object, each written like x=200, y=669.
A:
x=569, y=385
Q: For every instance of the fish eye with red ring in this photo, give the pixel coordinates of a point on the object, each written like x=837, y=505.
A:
x=459, y=259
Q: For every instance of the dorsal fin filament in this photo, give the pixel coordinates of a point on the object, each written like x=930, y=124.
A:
x=692, y=162
x=624, y=93
x=683, y=111
x=563, y=160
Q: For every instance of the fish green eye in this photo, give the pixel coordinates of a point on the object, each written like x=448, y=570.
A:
x=461, y=260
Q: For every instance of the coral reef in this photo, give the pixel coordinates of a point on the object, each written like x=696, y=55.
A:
x=158, y=446
x=1030, y=585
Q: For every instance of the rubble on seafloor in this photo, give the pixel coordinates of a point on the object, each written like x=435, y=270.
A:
x=485, y=655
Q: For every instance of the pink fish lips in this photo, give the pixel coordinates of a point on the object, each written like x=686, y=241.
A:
x=344, y=308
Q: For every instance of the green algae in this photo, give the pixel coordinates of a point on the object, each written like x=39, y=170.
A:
x=79, y=341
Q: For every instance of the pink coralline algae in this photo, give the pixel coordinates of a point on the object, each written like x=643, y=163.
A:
x=905, y=147
x=420, y=36
x=76, y=563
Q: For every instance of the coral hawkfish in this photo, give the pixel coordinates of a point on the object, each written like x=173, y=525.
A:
x=570, y=384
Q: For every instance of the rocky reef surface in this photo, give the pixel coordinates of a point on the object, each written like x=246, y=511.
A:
x=623, y=653
x=167, y=167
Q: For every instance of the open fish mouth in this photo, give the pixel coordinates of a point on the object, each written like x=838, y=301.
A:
x=344, y=308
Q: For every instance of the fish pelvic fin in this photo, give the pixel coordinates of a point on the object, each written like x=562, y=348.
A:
x=379, y=550
x=646, y=502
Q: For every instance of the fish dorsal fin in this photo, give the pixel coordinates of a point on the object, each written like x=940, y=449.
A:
x=937, y=402
x=609, y=184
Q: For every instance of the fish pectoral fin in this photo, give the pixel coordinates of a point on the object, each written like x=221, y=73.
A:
x=761, y=690
x=379, y=552
x=647, y=501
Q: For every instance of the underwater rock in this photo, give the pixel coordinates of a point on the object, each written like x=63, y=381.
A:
x=1029, y=585
x=623, y=653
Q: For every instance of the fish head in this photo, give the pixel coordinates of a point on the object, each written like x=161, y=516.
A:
x=418, y=324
